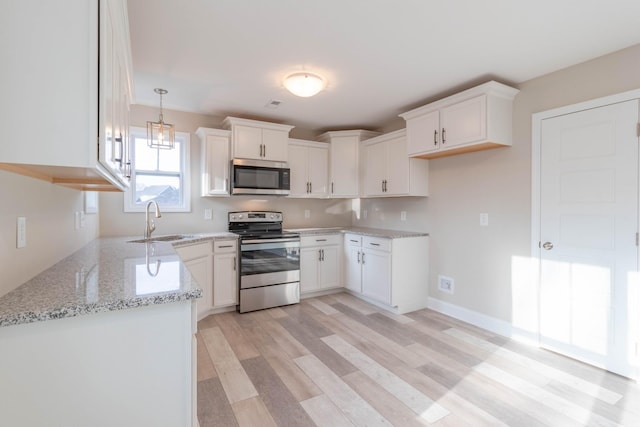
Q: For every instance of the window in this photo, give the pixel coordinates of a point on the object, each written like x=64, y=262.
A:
x=160, y=175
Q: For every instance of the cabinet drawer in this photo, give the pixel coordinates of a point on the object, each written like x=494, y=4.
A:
x=225, y=246
x=353, y=240
x=378, y=243
x=320, y=240
x=197, y=250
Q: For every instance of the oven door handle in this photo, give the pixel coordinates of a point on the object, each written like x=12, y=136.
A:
x=284, y=239
x=268, y=245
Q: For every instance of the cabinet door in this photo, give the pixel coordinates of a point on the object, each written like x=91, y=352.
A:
x=309, y=260
x=318, y=165
x=225, y=280
x=275, y=145
x=344, y=167
x=247, y=142
x=106, y=148
x=299, y=172
x=376, y=169
x=423, y=133
x=464, y=122
x=330, y=267
x=376, y=275
x=201, y=270
x=352, y=268
x=397, y=179
x=215, y=176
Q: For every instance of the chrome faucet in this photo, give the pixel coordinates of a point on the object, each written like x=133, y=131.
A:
x=150, y=225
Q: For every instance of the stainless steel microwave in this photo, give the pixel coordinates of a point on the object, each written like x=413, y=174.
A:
x=260, y=177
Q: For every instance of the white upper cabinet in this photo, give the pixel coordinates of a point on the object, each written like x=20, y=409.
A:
x=344, y=155
x=476, y=119
x=388, y=172
x=252, y=139
x=309, y=165
x=65, y=99
x=215, y=148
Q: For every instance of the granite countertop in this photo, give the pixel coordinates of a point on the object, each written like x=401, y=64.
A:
x=107, y=274
x=373, y=232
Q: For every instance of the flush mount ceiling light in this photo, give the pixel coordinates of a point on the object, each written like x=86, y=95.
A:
x=161, y=134
x=304, y=84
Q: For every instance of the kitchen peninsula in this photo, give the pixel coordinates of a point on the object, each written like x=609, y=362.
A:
x=105, y=337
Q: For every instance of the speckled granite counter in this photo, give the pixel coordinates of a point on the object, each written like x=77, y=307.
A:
x=374, y=232
x=107, y=274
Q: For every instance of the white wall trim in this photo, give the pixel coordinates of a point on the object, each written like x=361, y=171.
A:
x=483, y=321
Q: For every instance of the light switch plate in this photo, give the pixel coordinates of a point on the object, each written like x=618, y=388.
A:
x=484, y=219
x=307, y=213
x=21, y=232
x=208, y=214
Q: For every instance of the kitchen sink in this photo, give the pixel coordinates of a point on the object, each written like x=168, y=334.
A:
x=169, y=238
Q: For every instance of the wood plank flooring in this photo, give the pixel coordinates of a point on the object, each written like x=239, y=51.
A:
x=338, y=361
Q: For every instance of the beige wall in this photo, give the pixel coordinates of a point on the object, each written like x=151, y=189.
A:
x=114, y=222
x=51, y=233
x=488, y=264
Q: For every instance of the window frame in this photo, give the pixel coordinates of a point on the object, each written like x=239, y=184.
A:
x=185, y=173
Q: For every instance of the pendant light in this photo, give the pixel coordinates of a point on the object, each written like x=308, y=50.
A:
x=304, y=84
x=161, y=134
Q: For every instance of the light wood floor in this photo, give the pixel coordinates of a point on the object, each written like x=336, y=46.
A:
x=337, y=361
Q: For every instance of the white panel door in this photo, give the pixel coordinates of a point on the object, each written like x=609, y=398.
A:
x=309, y=260
x=397, y=179
x=376, y=275
x=423, y=133
x=329, y=268
x=589, y=220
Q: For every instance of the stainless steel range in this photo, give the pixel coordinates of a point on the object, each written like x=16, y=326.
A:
x=269, y=260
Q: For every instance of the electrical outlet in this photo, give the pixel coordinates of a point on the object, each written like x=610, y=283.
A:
x=21, y=232
x=82, y=219
x=484, y=219
x=445, y=284
x=208, y=214
x=307, y=213
x=403, y=216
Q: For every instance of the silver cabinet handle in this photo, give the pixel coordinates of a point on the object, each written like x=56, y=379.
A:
x=235, y=262
x=354, y=241
x=310, y=187
x=264, y=150
x=332, y=188
x=321, y=240
x=547, y=246
x=225, y=246
x=362, y=258
x=322, y=251
x=358, y=257
x=435, y=137
x=120, y=142
x=374, y=244
x=319, y=254
x=444, y=135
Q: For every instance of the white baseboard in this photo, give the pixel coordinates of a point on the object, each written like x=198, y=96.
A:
x=483, y=321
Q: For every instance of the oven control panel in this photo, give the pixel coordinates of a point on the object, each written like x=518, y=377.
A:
x=255, y=216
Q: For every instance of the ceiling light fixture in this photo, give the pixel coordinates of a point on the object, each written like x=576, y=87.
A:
x=304, y=84
x=161, y=134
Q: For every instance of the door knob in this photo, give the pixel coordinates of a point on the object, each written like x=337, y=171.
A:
x=547, y=246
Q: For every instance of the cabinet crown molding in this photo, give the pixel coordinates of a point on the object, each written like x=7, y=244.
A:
x=491, y=88
x=231, y=121
x=359, y=133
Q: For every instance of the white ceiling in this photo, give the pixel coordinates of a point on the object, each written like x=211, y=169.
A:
x=381, y=57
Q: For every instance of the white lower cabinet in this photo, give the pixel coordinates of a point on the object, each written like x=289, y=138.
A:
x=214, y=266
x=376, y=274
x=198, y=258
x=225, y=273
x=392, y=273
x=320, y=264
